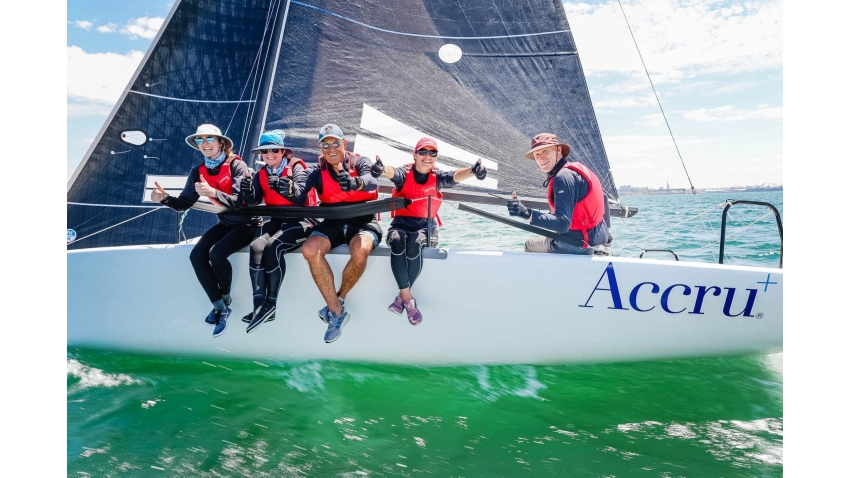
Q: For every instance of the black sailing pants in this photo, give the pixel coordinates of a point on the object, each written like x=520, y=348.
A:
x=209, y=256
x=267, y=265
x=406, y=259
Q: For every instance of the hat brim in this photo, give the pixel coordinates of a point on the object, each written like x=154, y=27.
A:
x=263, y=148
x=190, y=140
x=530, y=154
x=331, y=136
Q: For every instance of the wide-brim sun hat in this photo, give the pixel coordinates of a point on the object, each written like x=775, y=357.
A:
x=208, y=130
x=544, y=140
x=271, y=140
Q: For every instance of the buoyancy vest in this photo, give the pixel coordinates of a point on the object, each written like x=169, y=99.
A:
x=588, y=212
x=221, y=181
x=419, y=193
x=274, y=198
x=332, y=193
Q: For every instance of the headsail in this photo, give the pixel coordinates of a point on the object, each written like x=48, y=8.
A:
x=480, y=77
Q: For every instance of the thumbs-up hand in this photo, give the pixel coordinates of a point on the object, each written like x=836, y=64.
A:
x=480, y=171
x=516, y=208
x=204, y=189
x=158, y=194
x=347, y=182
x=377, y=168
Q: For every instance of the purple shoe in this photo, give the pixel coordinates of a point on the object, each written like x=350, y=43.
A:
x=413, y=314
x=397, y=306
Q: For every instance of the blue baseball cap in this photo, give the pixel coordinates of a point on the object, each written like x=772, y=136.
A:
x=271, y=140
x=330, y=130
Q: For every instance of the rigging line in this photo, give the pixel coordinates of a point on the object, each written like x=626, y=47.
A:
x=110, y=205
x=187, y=100
x=116, y=225
x=656, y=97
x=253, y=66
x=271, y=17
x=670, y=227
x=421, y=35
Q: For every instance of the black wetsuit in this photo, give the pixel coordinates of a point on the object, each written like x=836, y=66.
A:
x=229, y=235
x=266, y=265
x=407, y=234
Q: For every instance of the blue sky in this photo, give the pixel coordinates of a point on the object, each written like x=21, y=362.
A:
x=717, y=67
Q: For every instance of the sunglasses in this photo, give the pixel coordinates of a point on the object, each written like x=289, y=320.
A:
x=423, y=152
x=275, y=151
x=209, y=139
x=335, y=144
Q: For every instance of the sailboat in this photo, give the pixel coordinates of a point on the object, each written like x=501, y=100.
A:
x=481, y=78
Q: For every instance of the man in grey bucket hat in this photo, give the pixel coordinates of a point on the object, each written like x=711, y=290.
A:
x=578, y=208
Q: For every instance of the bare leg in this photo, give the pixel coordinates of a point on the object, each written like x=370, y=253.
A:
x=314, y=250
x=360, y=247
x=405, y=294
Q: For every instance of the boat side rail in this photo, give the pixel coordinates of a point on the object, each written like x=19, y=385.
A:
x=644, y=251
x=733, y=202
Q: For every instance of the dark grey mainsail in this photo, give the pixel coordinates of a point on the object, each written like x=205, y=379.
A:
x=482, y=77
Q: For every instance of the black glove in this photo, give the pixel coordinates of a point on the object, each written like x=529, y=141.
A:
x=479, y=170
x=377, y=168
x=348, y=183
x=246, y=184
x=515, y=208
x=274, y=181
x=286, y=188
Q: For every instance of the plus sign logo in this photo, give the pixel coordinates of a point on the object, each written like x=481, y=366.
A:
x=766, y=282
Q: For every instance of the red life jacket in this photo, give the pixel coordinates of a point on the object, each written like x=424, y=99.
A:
x=332, y=193
x=588, y=212
x=419, y=193
x=274, y=198
x=221, y=181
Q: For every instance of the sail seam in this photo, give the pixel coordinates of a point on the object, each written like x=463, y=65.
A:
x=188, y=100
x=519, y=35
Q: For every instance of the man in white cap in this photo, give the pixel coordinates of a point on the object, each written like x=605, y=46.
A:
x=340, y=177
x=578, y=209
x=217, y=177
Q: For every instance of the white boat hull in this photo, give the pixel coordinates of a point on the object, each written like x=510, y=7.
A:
x=479, y=307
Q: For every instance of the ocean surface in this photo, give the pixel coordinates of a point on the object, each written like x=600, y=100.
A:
x=138, y=415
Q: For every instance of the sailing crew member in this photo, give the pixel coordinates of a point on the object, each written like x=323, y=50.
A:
x=218, y=178
x=420, y=182
x=578, y=208
x=280, y=182
x=340, y=178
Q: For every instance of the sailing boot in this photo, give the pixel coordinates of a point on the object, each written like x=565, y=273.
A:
x=258, y=288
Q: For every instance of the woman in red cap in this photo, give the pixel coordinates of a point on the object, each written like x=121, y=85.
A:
x=420, y=182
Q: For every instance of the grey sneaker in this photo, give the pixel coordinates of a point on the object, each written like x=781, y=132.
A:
x=335, y=325
x=323, y=312
x=397, y=306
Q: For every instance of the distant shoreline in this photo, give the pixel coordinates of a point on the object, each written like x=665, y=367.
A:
x=653, y=192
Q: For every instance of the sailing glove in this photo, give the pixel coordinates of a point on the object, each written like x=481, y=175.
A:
x=286, y=188
x=479, y=170
x=274, y=181
x=348, y=183
x=377, y=168
x=515, y=208
x=245, y=184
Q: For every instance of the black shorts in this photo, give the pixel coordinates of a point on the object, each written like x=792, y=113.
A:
x=342, y=232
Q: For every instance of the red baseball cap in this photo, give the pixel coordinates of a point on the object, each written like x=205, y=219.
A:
x=426, y=141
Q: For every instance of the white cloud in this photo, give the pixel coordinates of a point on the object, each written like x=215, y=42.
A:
x=730, y=113
x=144, y=27
x=84, y=24
x=108, y=28
x=80, y=110
x=678, y=39
x=99, y=77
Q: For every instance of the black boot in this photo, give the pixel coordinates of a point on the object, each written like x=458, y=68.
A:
x=258, y=292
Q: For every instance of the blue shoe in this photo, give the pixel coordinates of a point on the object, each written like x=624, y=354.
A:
x=335, y=325
x=211, y=317
x=265, y=314
x=323, y=312
x=221, y=321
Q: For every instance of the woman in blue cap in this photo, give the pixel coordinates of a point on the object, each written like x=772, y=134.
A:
x=279, y=182
x=217, y=177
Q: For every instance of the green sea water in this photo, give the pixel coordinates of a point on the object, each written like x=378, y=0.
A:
x=139, y=415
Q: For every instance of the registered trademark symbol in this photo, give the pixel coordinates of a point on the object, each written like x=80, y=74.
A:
x=759, y=315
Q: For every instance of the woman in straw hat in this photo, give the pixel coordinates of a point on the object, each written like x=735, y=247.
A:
x=218, y=178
